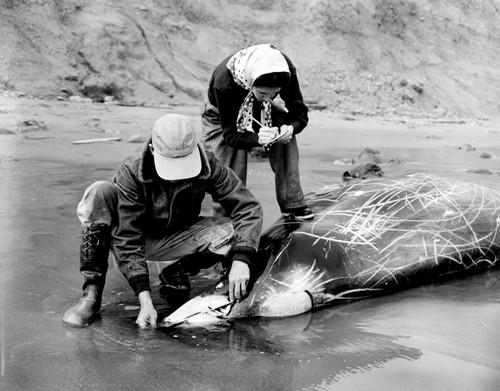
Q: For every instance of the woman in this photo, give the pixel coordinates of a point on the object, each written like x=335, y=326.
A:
x=239, y=114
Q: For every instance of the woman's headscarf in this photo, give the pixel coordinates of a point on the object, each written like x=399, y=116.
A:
x=246, y=66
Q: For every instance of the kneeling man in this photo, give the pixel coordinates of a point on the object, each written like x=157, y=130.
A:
x=151, y=211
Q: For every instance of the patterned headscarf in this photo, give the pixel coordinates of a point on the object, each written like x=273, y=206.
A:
x=246, y=66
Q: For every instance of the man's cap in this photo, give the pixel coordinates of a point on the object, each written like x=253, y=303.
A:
x=175, y=148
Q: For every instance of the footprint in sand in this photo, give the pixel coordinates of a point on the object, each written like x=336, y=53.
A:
x=467, y=147
x=482, y=171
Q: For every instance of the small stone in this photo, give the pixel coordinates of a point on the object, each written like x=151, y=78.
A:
x=6, y=131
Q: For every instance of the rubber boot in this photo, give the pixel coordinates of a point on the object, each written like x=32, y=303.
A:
x=86, y=310
x=175, y=285
x=94, y=252
x=174, y=278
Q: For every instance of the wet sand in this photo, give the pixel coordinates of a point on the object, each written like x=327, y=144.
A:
x=435, y=337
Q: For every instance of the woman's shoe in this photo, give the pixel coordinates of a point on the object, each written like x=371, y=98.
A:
x=301, y=214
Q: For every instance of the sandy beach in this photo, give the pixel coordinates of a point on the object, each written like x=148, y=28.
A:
x=47, y=131
x=440, y=336
x=399, y=86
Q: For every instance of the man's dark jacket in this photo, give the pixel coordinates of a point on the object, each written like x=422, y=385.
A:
x=149, y=206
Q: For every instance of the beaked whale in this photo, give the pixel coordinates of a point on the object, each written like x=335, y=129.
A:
x=368, y=238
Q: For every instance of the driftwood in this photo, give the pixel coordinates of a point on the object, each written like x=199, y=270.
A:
x=97, y=140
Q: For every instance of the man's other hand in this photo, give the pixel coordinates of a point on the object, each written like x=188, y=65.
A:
x=147, y=314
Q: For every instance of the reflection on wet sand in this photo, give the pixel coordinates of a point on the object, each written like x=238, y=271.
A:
x=303, y=351
x=307, y=350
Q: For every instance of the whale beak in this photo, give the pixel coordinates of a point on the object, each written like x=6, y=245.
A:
x=201, y=311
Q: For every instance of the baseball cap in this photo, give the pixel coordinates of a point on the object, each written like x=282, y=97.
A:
x=175, y=148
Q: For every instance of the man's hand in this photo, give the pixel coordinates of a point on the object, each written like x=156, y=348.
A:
x=267, y=134
x=238, y=280
x=147, y=314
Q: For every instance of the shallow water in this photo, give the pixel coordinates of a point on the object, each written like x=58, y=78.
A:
x=442, y=336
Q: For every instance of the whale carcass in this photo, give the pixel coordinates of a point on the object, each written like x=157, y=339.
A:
x=368, y=238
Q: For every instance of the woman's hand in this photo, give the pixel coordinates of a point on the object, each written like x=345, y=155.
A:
x=286, y=134
x=266, y=134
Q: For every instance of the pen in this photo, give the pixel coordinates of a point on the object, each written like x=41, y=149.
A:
x=253, y=119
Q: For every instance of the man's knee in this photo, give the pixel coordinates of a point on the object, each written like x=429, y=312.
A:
x=222, y=239
x=98, y=204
